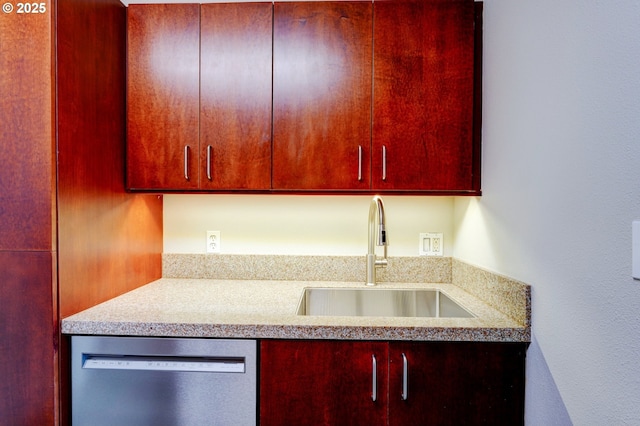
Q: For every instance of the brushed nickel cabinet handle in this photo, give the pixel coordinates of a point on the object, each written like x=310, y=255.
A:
x=209, y=151
x=384, y=162
x=186, y=162
x=405, y=377
x=359, y=162
x=374, y=378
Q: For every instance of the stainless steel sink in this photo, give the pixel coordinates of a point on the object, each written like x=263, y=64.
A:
x=374, y=302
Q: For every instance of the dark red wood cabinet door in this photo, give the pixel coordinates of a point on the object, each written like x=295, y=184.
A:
x=163, y=60
x=423, y=95
x=457, y=383
x=322, y=95
x=322, y=383
x=235, y=96
x=28, y=350
x=27, y=131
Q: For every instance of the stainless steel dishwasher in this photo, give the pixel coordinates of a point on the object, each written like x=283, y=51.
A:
x=163, y=381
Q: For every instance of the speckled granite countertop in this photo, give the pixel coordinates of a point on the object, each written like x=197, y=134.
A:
x=230, y=308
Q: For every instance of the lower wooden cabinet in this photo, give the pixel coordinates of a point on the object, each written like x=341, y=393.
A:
x=321, y=383
x=318, y=382
x=457, y=383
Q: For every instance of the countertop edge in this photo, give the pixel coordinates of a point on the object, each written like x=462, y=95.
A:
x=303, y=332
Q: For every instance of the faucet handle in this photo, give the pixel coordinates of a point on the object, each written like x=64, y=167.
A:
x=382, y=235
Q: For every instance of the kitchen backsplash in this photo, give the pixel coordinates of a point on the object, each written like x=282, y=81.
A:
x=509, y=296
x=304, y=268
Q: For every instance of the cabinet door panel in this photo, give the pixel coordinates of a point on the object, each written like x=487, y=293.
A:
x=423, y=95
x=235, y=96
x=163, y=60
x=458, y=383
x=322, y=383
x=29, y=354
x=27, y=127
x=322, y=95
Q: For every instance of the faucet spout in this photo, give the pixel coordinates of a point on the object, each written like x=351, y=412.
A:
x=376, y=216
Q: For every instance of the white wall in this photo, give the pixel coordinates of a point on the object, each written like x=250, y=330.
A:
x=561, y=182
x=306, y=225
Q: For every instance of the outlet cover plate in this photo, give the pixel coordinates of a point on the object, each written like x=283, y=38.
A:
x=213, y=241
x=431, y=244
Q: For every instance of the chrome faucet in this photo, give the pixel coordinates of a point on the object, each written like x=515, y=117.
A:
x=376, y=211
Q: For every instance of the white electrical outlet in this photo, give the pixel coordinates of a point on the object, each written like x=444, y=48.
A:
x=431, y=244
x=213, y=241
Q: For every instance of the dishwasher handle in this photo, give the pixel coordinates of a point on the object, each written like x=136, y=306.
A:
x=164, y=363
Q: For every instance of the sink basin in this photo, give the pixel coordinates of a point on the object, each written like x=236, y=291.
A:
x=374, y=302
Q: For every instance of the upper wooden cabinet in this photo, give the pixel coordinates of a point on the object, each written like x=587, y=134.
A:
x=199, y=96
x=305, y=96
x=163, y=71
x=423, y=95
x=235, y=96
x=322, y=95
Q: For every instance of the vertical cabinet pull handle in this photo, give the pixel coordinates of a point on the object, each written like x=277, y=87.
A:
x=384, y=162
x=359, y=162
x=405, y=377
x=209, y=150
x=186, y=162
x=374, y=378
